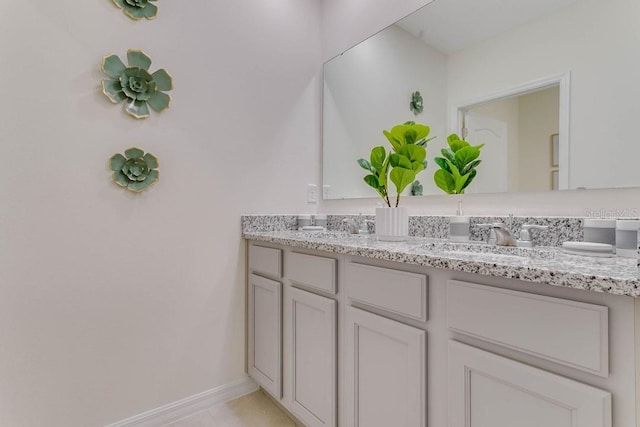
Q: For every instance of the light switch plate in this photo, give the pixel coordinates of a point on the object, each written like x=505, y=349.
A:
x=325, y=192
x=312, y=193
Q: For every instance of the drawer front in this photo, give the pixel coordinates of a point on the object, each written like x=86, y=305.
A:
x=397, y=292
x=265, y=260
x=566, y=332
x=312, y=271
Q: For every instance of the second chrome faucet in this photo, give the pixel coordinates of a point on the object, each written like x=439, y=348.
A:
x=503, y=236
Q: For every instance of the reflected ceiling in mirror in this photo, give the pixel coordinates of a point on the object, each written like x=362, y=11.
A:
x=532, y=72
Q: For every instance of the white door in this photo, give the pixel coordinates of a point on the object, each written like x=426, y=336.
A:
x=310, y=357
x=385, y=372
x=492, y=172
x=265, y=333
x=486, y=390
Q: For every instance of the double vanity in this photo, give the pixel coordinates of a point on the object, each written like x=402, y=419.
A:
x=344, y=330
x=348, y=331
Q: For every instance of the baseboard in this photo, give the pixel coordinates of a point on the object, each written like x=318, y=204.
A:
x=183, y=408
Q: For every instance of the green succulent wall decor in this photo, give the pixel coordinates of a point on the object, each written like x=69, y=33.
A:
x=135, y=85
x=135, y=171
x=416, y=105
x=416, y=188
x=138, y=9
x=457, y=166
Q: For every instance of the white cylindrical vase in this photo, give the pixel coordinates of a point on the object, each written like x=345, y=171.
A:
x=392, y=224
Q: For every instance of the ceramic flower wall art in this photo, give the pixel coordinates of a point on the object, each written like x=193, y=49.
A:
x=138, y=9
x=135, y=171
x=135, y=85
x=416, y=105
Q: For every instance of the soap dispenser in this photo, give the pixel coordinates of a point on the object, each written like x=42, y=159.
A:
x=459, y=226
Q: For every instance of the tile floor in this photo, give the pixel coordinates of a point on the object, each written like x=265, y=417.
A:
x=252, y=410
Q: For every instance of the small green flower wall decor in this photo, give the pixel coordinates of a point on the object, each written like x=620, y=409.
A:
x=135, y=85
x=416, y=104
x=138, y=9
x=416, y=188
x=135, y=170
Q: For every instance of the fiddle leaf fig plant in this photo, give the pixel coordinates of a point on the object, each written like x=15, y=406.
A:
x=457, y=166
x=401, y=164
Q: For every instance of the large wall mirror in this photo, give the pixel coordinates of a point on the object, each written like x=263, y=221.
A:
x=551, y=87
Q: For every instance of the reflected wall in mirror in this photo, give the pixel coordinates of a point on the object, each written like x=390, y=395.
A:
x=516, y=132
x=526, y=69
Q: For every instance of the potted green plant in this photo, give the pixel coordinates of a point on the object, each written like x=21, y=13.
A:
x=458, y=166
x=398, y=167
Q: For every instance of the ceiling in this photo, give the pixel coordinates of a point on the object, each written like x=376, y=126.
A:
x=452, y=25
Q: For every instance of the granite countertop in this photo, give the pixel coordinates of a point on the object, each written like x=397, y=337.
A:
x=615, y=275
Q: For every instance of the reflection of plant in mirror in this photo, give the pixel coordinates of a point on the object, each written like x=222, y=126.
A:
x=416, y=105
x=402, y=164
x=416, y=188
x=458, y=167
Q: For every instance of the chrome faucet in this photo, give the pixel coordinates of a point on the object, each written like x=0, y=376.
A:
x=505, y=238
x=359, y=225
x=503, y=235
x=491, y=238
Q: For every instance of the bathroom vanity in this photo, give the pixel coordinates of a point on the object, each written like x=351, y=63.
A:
x=348, y=331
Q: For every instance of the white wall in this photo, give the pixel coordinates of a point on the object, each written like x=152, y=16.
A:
x=114, y=303
x=396, y=64
x=347, y=22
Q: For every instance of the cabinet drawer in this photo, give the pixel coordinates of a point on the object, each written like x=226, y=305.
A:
x=397, y=292
x=265, y=260
x=567, y=332
x=312, y=271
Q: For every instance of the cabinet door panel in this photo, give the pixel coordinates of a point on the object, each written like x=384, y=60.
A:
x=312, y=329
x=265, y=333
x=486, y=390
x=385, y=372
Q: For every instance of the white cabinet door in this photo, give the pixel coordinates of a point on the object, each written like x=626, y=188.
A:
x=385, y=372
x=265, y=333
x=311, y=354
x=486, y=390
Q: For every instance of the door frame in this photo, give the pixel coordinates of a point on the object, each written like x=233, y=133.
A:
x=563, y=80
